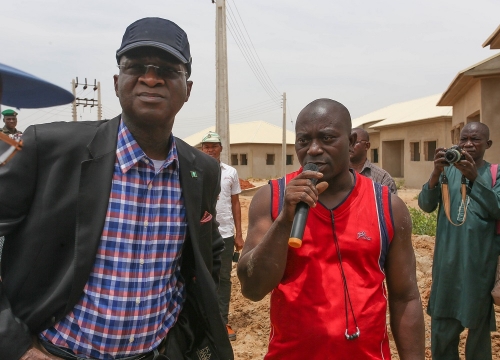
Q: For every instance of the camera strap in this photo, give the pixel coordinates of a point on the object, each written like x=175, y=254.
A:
x=445, y=193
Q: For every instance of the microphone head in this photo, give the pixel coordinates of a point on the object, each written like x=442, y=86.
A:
x=311, y=166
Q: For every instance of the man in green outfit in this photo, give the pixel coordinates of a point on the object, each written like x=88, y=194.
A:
x=10, y=121
x=465, y=257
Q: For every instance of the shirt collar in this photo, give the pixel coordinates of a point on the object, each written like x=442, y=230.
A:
x=366, y=165
x=129, y=153
x=5, y=129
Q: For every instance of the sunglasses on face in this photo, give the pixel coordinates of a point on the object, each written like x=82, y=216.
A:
x=164, y=72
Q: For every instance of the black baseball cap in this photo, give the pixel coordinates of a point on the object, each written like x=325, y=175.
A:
x=159, y=33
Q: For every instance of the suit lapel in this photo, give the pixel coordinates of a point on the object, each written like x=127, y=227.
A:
x=93, y=197
x=191, y=177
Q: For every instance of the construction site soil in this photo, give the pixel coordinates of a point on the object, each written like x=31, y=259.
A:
x=250, y=319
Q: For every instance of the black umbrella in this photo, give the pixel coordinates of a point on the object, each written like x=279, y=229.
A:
x=23, y=90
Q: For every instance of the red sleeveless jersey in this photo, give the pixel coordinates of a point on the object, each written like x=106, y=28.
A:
x=308, y=307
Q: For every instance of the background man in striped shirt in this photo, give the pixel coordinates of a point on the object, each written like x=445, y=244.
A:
x=362, y=165
x=112, y=248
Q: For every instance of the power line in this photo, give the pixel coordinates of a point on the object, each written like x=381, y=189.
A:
x=110, y=111
x=251, y=65
x=187, y=123
x=84, y=101
x=252, y=60
x=290, y=114
x=46, y=114
x=255, y=51
x=248, y=56
x=264, y=111
x=255, y=109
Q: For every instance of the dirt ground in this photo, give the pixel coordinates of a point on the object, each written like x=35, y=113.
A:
x=251, y=319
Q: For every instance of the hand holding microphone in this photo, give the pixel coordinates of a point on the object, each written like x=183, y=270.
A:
x=301, y=212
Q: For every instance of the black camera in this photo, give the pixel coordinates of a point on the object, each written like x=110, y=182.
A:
x=454, y=154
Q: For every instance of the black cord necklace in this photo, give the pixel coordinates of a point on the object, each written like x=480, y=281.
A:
x=347, y=297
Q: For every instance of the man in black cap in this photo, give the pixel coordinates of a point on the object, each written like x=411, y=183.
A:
x=117, y=226
x=10, y=121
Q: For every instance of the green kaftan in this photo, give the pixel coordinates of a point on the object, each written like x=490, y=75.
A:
x=465, y=257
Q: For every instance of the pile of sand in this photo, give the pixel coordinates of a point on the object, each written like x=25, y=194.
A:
x=245, y=184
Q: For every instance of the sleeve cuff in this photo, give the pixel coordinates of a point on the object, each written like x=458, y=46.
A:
x=426, y=188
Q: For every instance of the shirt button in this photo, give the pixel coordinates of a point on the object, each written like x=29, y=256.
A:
x=142, y=261
x=137, y=301
x=131, y=339
x=146, y=223
x=150, y=186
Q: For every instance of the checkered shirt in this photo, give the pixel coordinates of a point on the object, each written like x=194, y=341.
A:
x=135, y=291
x=379, y=175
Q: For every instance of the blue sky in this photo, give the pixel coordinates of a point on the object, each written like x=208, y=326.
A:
x=366, y=54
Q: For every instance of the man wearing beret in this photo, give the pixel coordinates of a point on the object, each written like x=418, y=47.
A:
x=10, y=121
x=112, y=249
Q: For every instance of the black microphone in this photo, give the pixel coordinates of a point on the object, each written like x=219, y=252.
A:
x=300, y=218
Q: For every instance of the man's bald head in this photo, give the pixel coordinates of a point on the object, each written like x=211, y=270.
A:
x=475, y=139
x=362, y=134
x=325, y=107
x=323, y=136
x=479, y=127
x=358, y=152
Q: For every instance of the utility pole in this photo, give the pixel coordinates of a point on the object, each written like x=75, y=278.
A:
x=99, y=102
x=84, y=101
x=283, y=145
x=221, y=97
x=73, y=88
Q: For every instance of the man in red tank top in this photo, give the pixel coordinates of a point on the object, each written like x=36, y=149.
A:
x=328, y=296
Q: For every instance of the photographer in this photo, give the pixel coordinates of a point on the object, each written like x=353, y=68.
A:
x=465, y=253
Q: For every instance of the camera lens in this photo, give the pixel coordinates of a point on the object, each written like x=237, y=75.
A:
x=452, y=155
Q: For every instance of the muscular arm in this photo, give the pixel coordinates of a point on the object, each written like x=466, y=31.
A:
x=264, y=256
x=236, y=209
x=263, y=260
x=405, y=307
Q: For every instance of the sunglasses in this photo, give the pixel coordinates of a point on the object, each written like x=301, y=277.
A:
x=8, y=148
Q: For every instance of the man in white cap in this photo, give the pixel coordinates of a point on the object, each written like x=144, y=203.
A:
x=229, y=218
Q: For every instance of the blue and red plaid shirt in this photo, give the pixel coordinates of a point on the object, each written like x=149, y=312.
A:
x=135, y=292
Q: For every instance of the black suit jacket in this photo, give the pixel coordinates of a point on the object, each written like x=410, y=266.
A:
x=53, y=201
